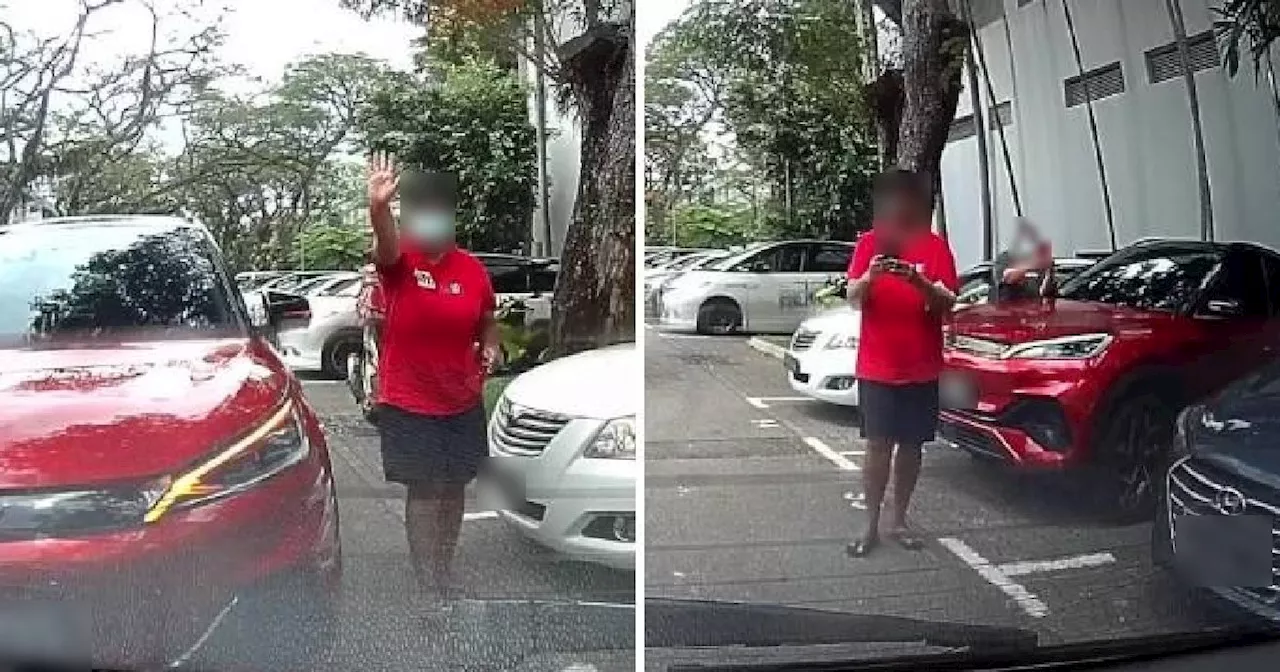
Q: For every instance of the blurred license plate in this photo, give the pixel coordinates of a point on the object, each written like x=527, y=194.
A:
x=1224, y=551
x=792, y=364
x=958, y=391
x=41, y=632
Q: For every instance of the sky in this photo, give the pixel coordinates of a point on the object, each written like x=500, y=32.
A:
x=261, y=35
x=653, y=15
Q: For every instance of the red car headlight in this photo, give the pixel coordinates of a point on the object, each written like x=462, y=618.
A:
x=273, y=447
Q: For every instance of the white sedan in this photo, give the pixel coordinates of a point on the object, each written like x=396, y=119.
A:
x=822, y=354
x=562, y=446
x=767, y=287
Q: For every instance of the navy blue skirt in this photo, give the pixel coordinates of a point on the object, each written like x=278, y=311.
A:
x=420, y=448
x=905, y=414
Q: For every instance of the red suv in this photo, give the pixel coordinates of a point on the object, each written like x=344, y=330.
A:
x=1096, y=376
x=162, y=478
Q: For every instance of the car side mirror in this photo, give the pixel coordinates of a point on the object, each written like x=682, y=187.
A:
x=282, y=307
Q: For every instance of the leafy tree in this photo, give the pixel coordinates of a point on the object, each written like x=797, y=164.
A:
x=714, y=226
x=786, y=75
x=587, y=53
x=333, y=246
x=1248, y=26
x=471, y=120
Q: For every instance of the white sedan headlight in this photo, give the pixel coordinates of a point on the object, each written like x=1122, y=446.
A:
x=1082, y=346
x=616, y=440
x=843, y=341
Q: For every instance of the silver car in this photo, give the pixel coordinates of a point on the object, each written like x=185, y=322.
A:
x=767, y=287
x=331, y=337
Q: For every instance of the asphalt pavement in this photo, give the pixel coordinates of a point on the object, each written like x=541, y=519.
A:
x=752, y=494
x=511, y=586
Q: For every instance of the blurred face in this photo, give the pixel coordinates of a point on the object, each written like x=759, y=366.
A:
x=429, y=223
x=899, y=216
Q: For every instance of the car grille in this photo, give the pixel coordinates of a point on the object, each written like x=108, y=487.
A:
x=525, y=431
x=973, y=440
x=803, y=339
x=1193, y=487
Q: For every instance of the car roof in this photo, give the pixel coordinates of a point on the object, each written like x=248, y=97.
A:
x=159, y=222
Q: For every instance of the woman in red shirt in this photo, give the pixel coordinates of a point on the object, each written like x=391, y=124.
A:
x=903, y=279
x=439, y=339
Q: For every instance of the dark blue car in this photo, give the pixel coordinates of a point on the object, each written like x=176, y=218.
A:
x=1225, y=472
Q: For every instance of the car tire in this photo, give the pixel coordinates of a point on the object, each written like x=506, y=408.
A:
x=1133, y=444
x=719, y=316
x=333, y=357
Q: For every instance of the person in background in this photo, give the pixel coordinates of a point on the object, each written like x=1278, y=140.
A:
x=439, y=340
x=1028, y=254
x=903, y=278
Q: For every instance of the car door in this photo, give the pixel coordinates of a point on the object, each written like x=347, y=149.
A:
x=1238, y=321
x=790, y=290
x=825, y=264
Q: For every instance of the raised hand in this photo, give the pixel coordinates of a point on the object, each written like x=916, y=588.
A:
x=382, y=178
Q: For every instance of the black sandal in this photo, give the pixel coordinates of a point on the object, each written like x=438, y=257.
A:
x=861, y=547
x=907, y=539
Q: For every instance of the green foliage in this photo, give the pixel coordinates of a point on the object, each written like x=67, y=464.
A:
x=332, y=246
x=787, y=76
x=714, y=226
x=471, y=121
x=1247, y=26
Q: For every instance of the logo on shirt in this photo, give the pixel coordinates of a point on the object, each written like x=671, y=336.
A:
x=425, y=279
x=455, y=287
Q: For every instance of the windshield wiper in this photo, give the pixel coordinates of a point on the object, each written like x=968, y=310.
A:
x=674, y=624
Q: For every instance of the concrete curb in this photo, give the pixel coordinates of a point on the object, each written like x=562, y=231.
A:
x=771, y=349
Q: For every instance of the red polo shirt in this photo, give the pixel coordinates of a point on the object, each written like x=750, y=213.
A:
x=429, y=358
x=901, y=340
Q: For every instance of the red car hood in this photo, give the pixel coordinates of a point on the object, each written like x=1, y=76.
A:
x=94, y=415
x=1022, y=321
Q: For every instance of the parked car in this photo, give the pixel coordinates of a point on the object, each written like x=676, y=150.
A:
x=657, y=279
x=329, y=339
x=327, y=285
x=161, y=464
x=1078, y=381
x=765, y=288
x=1224, y=464
x=251, y=280
x=562, y=444
x=289, y=281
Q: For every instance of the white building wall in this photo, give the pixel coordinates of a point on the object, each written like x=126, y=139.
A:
x=1145, y=134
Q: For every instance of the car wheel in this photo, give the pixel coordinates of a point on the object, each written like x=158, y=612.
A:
x=333, y=361
x=1134, y=444
x=719, y=316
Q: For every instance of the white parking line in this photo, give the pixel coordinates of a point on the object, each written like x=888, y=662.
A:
x=1073, y=562
x=763, y=402
x=853, y=453
x=826, y=451
x=1031, y=604
x=765, y=423
x=479, y=515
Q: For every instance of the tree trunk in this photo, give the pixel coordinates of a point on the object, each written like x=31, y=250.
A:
x=934, y=41
x=594, y=301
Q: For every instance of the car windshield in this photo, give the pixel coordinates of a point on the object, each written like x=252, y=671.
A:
x=1147, y=277
x=310, y=284
x=118, y=280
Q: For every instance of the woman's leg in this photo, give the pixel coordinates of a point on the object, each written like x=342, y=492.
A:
x=450, y=502
x=419, y=524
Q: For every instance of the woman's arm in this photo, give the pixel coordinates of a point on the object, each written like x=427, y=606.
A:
x=382, y=184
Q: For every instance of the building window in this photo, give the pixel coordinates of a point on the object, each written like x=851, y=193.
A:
x=1165, y=63
x=1095, y=84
